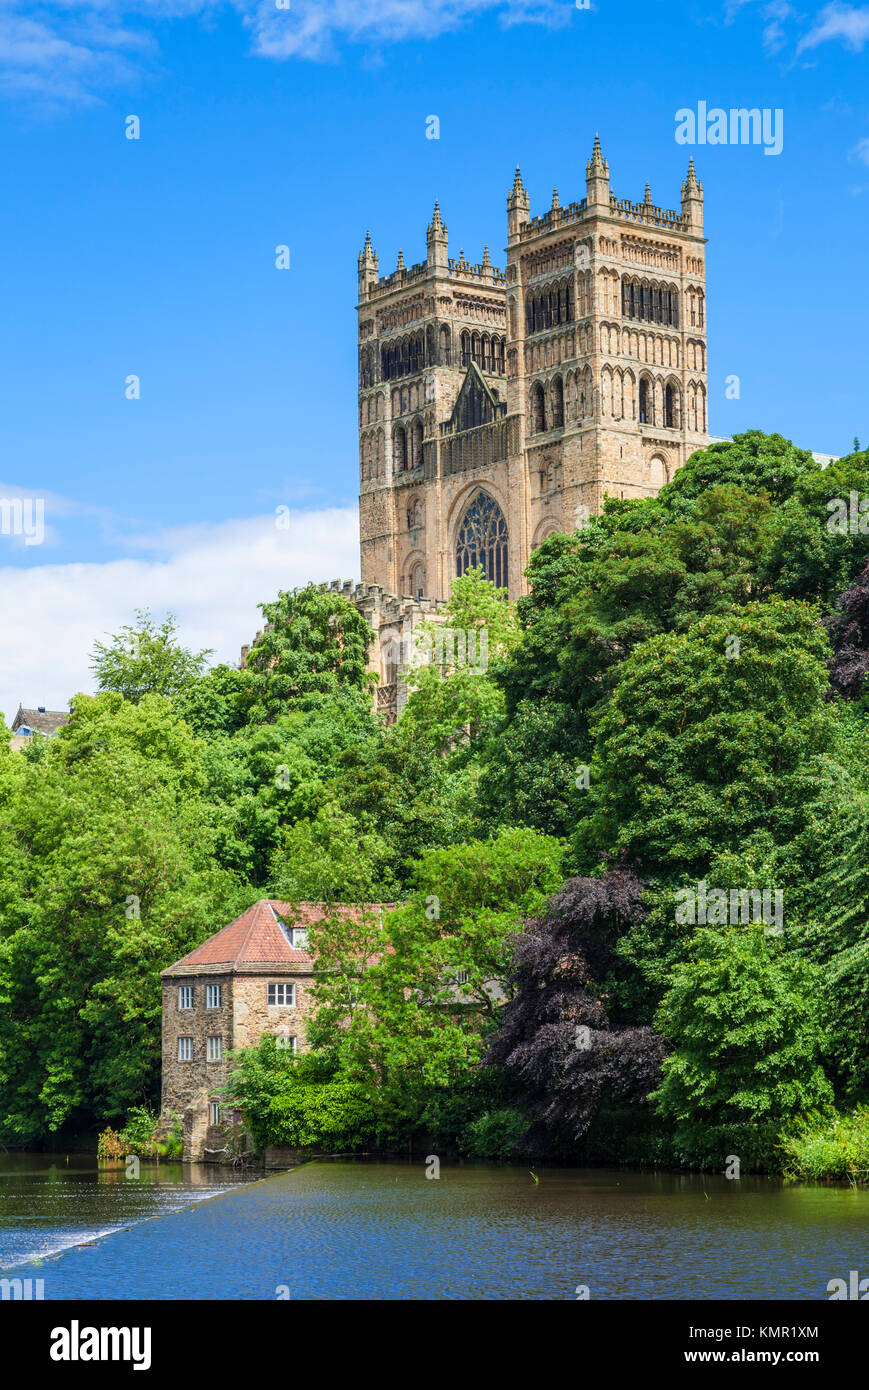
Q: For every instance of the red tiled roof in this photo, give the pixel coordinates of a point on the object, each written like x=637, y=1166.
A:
x=258, y=936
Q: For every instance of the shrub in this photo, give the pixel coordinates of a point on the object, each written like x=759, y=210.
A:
x=496, y=1134
x=825, y=1148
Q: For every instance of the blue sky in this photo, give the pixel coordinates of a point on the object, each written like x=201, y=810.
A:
x=306, y=126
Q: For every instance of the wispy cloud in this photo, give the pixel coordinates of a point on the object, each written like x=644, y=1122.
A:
x=71, y=51
x=210, y=576
x=860, y=151
x=836, y=22
x=849, y=24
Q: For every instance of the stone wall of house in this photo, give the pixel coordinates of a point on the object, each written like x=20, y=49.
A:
x=187, y=1086
x=253, y=1014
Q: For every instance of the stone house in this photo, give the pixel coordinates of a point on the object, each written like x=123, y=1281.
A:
x=252, y=977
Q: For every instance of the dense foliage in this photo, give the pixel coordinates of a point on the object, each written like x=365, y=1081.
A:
x=578, y=834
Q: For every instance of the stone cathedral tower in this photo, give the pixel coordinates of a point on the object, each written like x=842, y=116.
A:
x=496, y=407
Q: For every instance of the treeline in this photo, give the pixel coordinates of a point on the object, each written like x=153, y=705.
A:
x=630, y=855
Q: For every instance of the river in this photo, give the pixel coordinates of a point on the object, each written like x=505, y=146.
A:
x=343, y=1229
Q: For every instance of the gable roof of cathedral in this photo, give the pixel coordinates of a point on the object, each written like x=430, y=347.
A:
x=474, y=380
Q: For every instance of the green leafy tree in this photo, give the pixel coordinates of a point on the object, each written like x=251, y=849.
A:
x=743, y=1021
x=415, y=1017
x=453, y=700
x=145, y=659
x=315, y=642
x=698, y=749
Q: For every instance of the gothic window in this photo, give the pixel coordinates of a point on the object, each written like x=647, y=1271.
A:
x=645, y=403
x=416, y=444
x=445, y=345
x=466, y=349
x=557, y=403
x=475, y=348
x=482, y=540
x=657, y=471
x=669, y=408
x=538, y=409
x=399, y=449
x=430, y=345
x=417, y=581
x=486, y=346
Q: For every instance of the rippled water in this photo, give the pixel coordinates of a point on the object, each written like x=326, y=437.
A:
x=49, y=1204
x=343, y=1229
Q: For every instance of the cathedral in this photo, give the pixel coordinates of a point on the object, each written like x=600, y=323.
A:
x=498, y=406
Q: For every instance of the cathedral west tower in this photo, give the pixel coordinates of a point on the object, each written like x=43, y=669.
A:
x=496, y=407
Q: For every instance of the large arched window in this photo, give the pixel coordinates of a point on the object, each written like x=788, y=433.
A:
x=482, y=539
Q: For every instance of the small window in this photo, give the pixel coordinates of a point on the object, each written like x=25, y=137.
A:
x=212, y=996
x=282, y=994
x=185, y=1049
x=185, y=996
x=461, y=977
x=287, y=1042
x=215, y=1048
x=299, y=937
x=215, y=1113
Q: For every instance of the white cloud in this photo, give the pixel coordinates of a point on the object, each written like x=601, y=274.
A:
x=860, y=151
x=210, y=576
x=68, y=52
x=848, y=23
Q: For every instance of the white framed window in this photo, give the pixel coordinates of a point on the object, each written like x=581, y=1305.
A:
x=215, y=1113
x=215, y=1047
x=461, y=977
x=212, y=996
x=282, y=993
x=185, y=996
x=299, y=937
x=185, y=1049
x=287, y=1042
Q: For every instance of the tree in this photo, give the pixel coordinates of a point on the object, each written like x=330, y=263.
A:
x=556, y=1039
x=109, y=849
x=710, y=736
x=743, y=1020
x=848, y=630
x=217, y=703
x=453, y=700
x=315, y=642
x=416, y=1015
x=145, y=659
